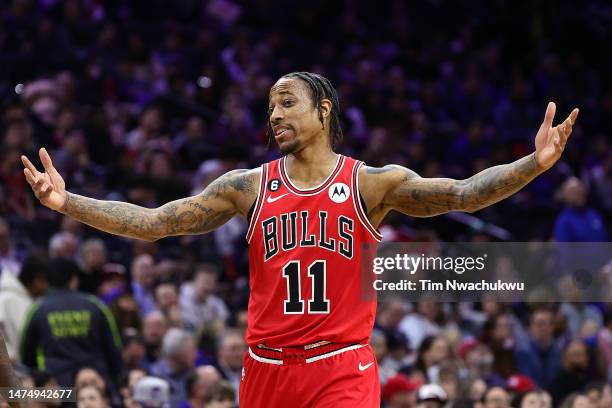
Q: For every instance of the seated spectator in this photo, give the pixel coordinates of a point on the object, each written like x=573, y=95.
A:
x=177, y=359
x=432, y=351
x=576, y=400
x=496, y=397
x=199, y=303
x=221, y=395
x=127, y=380
x=199, y=384
x=89, y=376
x=400, y=392
x=498, y=335
x=534, y=399
x=69, y=329
x=540, y=357
x=425, y=321
x=134, y=351
x=17, y=294
x=229, y=357
x=144, y=276
x=151, y=392
x=577, y=222
x=166, y=301
x=90, y=396
x=574, y=374
x=431, y=396
x=154, y=327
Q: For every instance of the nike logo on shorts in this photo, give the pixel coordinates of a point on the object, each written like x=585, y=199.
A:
x=271, y=200
x=364, y=367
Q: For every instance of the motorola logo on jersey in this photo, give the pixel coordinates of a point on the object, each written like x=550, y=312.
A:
x=290, y=231
x=339, y=192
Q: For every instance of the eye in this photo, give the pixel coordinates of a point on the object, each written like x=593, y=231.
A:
x=287, y=103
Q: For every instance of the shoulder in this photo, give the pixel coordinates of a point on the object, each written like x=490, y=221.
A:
x=380, y=180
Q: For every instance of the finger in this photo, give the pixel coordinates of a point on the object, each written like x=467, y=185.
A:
x=46, y=160
x=574, y=115
x=28, y=164
x=550, y=115
x=29, y=177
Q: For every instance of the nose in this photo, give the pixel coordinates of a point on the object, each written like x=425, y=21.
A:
x=277, y=114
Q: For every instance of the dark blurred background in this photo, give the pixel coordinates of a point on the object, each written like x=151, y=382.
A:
x=148, y=101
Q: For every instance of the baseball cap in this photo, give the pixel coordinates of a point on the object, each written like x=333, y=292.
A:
x=152, y=392
x=399, y=383
x=520, y=383
x=431, y=392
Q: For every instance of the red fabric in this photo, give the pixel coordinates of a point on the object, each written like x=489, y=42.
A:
x=333, y=382
x=520, y=383
x=348, y=314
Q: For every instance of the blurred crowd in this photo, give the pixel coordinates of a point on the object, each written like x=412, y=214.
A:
x=148, y=101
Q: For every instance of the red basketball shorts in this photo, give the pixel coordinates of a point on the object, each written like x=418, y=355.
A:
x=325, y=377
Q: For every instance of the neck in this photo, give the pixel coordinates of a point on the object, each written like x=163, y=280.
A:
x=312, y=163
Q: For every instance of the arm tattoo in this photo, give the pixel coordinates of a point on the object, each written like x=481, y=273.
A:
x=193, y=215
x=427, y=197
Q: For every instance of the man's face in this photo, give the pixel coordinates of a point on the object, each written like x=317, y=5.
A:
x=294, y=117
x=497, y=398
x=231, y=352
x=542, y=326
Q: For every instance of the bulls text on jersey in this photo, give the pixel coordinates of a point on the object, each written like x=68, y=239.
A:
x=290, y=230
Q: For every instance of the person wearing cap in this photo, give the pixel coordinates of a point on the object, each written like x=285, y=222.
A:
x=151, y=392
x=431, y=396
x=400, y=392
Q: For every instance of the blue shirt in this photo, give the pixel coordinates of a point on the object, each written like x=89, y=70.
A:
x=580, y=225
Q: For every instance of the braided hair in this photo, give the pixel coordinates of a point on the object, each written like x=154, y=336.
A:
x=320, y=88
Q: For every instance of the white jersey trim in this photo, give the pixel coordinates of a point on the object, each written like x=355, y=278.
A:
x=263, y=359
x=263, y=181
x=335, y=352
x=282, y=169
x=361, y=214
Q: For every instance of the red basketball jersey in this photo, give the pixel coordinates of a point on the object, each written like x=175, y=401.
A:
x=305, y=254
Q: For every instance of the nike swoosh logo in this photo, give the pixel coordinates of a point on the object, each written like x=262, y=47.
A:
x=364, y=367
x=271, y=200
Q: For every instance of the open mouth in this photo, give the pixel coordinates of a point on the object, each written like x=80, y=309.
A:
x=281, y=132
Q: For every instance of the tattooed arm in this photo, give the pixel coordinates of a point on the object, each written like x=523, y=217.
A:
x=397, y=188
x=225, y=197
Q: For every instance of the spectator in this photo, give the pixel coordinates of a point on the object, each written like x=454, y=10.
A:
x=154, y=329
x=496, y=397
x=535, y=399
x=166, y=300
x=431, y=396
x=9, y=261
x=199, y=384
x=497, y=333
x=63, y=244
x=143, y=280
x=134, y=351
x=68, y=329
x=177, y=359
x=574, y=374
x=199, y=302
x=540, y=357
x=152, y=392
x=222, y=395
x=90, y=396
x=432, y=351
x=127, y=381
x=577, y=222
x=400, y=392
x=17, y=294
x=576, y=400
x=89, y=376
x=93, y=257
x=229, y=358
x=424, y=322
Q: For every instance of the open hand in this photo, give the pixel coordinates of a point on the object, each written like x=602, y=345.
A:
x=48, y=187
x=550, y=141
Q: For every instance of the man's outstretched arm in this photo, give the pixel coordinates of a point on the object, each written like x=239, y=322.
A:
x=408, y=193
x=219, y=202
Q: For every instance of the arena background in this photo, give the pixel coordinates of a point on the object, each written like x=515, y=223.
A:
x=148, y=101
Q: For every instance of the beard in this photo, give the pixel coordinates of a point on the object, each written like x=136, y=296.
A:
x=290, y=147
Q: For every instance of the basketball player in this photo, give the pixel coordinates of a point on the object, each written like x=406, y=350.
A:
x=309, y=214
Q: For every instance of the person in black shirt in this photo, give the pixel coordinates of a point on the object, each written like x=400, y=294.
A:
x=67, y=330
